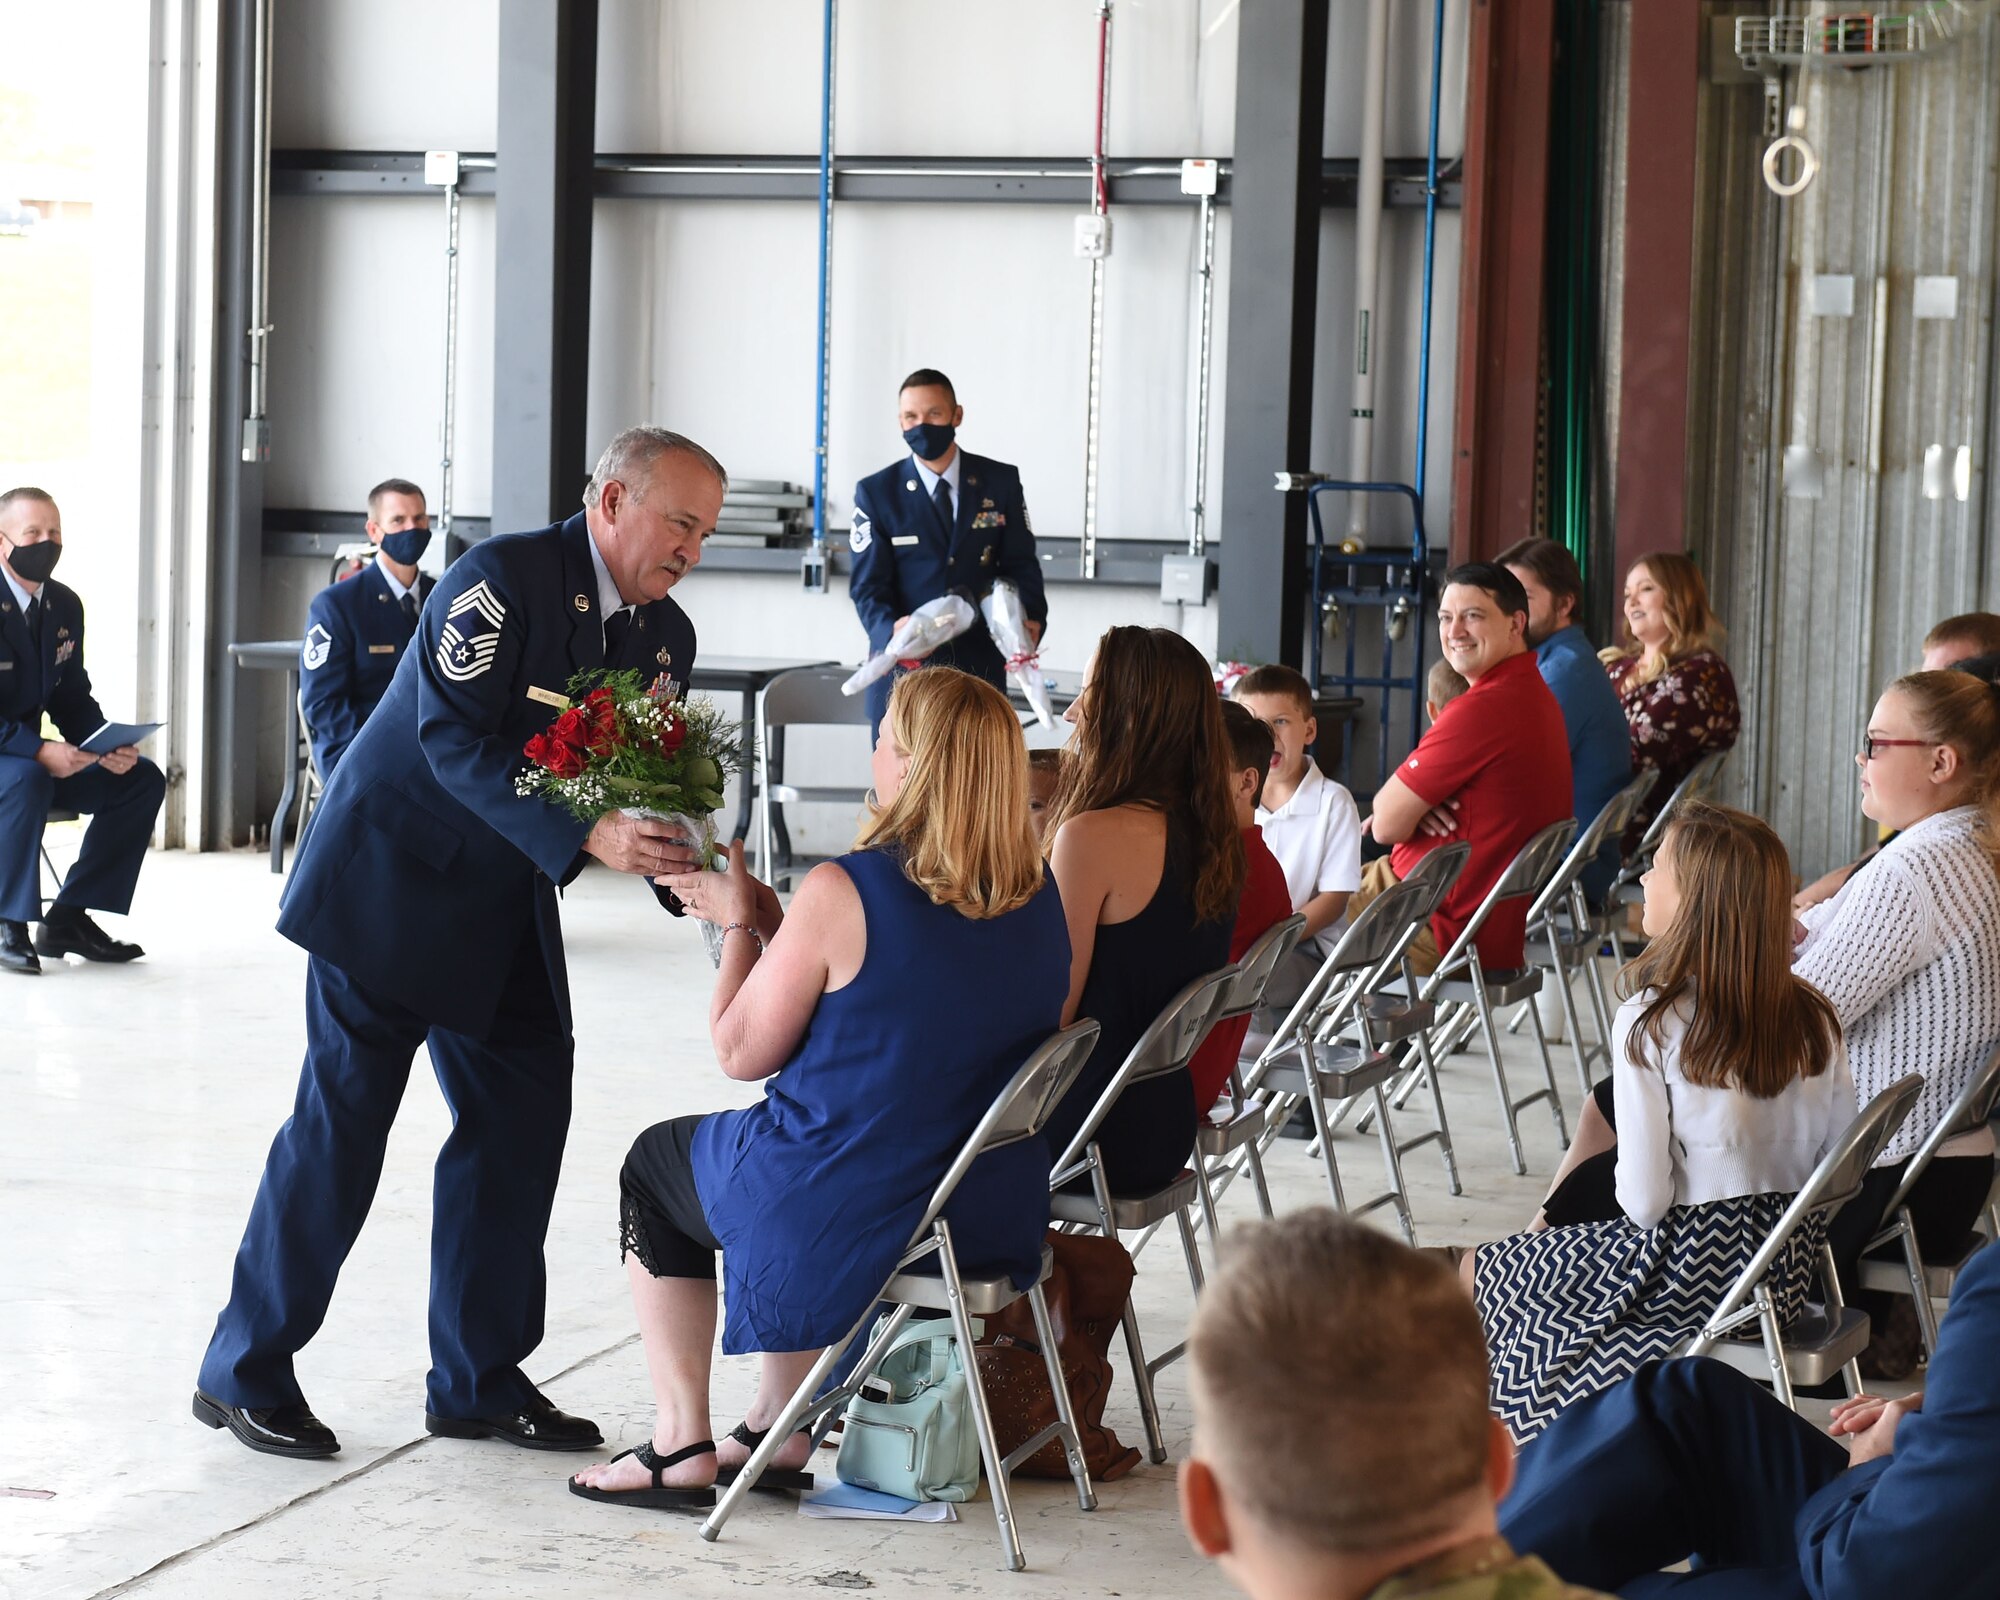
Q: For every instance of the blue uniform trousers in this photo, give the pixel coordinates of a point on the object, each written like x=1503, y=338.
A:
x=121, y=808
x=509, y=1095
x=1686, y=1460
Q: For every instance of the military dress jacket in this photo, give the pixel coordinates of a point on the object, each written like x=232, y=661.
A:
x=355, y=637
x=904, y=556
x=50, y=679
x=423, y=870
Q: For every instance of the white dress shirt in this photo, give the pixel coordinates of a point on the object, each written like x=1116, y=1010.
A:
x=609, y=601
x=1316, y=836
x=929, y=479
x=397, y=588
x=1681, y=1144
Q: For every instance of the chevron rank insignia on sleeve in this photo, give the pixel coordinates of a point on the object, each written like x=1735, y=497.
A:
x=319, y=644
x=471, y=635
x=862, y=533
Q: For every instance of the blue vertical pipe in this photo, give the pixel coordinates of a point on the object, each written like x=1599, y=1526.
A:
x=826, y=268
x=1430, y=270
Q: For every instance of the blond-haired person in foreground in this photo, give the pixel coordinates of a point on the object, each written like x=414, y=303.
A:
x=872, y=1010
x=1342, y=1445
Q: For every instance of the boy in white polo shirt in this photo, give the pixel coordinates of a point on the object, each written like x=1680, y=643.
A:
x=1309, y=821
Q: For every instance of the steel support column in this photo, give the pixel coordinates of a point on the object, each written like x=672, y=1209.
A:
x=1659, y=281
x=1501, y=298
x=1273, y=294
x=541, y=293
x=237, y=572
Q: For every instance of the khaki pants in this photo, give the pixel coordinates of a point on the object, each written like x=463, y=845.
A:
x=1378, y=878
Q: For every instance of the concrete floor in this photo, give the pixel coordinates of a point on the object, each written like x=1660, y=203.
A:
x=139, y=1103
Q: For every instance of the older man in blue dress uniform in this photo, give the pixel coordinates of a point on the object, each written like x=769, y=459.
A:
x=425, y=893
x=938, y=521
x=360, y=626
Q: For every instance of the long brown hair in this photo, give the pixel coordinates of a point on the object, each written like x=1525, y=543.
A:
x=1962, y=711
x=961, y=817
x=1150, y=733
x=1752, y=1026
x=1691, y=622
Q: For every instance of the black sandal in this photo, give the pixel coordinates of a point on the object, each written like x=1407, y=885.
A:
x=775, y=1479
x=659, y=1497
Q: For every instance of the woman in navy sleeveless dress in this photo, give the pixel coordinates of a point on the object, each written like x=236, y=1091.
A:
x=1145, y=846
x=911, y=980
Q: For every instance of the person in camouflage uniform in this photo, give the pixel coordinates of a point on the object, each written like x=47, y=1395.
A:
x=1342, y=1442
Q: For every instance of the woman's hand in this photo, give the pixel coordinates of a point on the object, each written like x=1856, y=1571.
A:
x=726, y=897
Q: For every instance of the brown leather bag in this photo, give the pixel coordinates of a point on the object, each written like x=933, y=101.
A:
x=1086, y=1293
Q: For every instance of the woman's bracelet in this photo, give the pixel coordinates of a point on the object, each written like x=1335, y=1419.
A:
x=732, y=927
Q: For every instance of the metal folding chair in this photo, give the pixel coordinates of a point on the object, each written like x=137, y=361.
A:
x=1165, y=1047
x=1020, y=1112
x=1562, y=917
x=1331, y=1045
x=1244, y=1129
x=1396, y=1018
x=804, y=697
x=1698, y=784
x=1829, y=1338
x=56, y=814
x=1461, y=981
x=1924, y=1281
x=315, y=780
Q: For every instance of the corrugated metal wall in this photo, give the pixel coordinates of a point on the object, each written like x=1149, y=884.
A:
x=1828, y=595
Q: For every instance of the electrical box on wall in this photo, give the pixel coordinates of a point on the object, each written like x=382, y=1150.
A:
x=1198, y=177
x=1186, y=580
x=1093, y=236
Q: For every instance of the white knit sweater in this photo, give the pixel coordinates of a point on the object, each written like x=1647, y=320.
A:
x=1909, y=953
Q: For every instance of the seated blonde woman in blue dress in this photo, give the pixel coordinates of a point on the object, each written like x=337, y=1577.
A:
x=909, y=982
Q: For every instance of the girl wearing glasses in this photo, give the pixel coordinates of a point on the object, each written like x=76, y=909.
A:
x=1909, y=953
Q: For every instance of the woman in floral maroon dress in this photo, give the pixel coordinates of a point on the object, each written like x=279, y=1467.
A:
x=1679, y=697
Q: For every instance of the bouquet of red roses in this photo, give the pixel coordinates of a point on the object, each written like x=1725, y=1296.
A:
x=618, y=746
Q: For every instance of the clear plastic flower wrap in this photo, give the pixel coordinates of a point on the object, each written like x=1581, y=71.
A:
x=930, y=625
x=1007, y=621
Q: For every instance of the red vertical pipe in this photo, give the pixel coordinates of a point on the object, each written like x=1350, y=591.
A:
x=1501, y=300
x=1659, y=279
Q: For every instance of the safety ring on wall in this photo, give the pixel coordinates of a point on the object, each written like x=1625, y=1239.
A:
x=1774, y=155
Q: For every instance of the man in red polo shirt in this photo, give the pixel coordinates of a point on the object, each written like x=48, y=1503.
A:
x=1492, y=770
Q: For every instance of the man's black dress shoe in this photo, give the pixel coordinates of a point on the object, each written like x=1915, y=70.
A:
x=16, y=954
x=538, y=1425
x=290, y=1430
x=76, y=934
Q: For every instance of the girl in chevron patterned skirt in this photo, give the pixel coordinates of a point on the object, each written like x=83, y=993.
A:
x=1729, y=1082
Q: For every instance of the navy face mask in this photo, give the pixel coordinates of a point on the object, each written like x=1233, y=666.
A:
x=929, y=440
x=406, y=544
x=32, y=563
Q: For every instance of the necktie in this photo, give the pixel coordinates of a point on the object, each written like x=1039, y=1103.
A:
x=941, y=498
x=410, y=608
x=33, y=615
x=615, y=628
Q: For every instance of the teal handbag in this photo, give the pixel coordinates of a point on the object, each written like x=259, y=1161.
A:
x=920, y=1442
